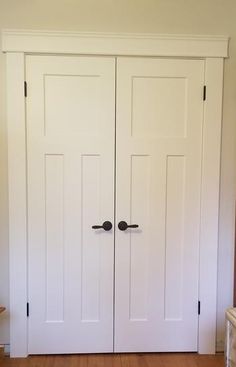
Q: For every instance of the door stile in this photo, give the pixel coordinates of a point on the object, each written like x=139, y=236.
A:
x=115, y=221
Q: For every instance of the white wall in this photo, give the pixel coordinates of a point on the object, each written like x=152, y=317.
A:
x=141, y=16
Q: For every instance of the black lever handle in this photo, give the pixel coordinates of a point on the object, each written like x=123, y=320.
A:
x=107, y=226
x=123, y=225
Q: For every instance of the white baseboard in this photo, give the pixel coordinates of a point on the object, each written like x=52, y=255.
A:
x=6, y=349
x=220, y=346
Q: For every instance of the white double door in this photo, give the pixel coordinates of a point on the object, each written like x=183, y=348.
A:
x=113, y=140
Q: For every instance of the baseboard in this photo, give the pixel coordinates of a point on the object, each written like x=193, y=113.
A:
x=6, y=349
x=220, y=346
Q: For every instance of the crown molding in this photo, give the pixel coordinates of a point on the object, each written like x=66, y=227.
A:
x=122, y=44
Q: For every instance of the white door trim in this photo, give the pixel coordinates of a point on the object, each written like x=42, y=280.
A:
x=213, y=50
x=114, y=43
x=210, y=205
x=17, y=203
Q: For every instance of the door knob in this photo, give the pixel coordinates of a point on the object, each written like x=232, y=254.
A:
x=123, y=225
x=107, y=226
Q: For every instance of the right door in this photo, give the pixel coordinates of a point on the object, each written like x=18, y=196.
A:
x=158, y=182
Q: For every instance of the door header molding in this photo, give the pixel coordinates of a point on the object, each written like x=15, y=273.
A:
x=120, y=44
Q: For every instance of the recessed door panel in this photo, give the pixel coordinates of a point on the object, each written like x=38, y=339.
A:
x=74, y=97
x=138, y=254
x=54, y=237
x=159, y=137
x=174, y=237
x=164, y=98
x=70, y=152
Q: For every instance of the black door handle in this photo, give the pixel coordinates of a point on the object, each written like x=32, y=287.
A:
x=123, y=226
x=107, y=226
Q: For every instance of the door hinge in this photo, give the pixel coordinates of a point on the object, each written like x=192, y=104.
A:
x=25, y=89
x=199, y=307
x=27, y=309
x=204, y=93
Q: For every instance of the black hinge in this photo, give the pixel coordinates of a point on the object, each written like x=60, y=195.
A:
x=27, y=309
x=199, y=307
x=25, y=89
x=204, y=93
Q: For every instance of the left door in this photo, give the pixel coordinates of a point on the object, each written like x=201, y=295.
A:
x=70, y=157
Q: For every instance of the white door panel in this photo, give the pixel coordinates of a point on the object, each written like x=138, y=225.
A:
x=159, y=132
x=71, y=107
x=70, y=137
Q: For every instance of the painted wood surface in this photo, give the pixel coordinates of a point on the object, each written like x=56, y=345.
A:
x=17, y=172
x=159, y=157
x=70, y=151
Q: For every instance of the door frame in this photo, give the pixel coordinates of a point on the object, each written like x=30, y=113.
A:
x=213, y=49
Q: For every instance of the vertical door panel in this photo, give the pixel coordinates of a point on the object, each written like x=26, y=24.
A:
x=54, y=237
x=139, y=202
x=70, y=155
x=174, y=235
x=90, y=247
x=159, y=137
